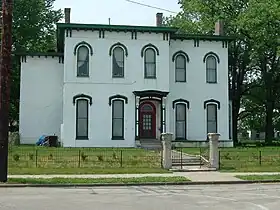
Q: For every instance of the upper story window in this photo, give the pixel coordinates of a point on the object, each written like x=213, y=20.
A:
x=150, y=63
x=149, y=52
x=83, y=50
x=180, y=69
x=211, y=60
x=83, y=62
x=118, y=62
x=181, y=59
x=118, y=52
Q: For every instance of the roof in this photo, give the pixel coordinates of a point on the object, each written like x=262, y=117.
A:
x=61, y=27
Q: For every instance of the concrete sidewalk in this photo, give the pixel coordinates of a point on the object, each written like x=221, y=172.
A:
x=209, y=176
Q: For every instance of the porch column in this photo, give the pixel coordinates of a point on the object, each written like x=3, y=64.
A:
x=137, y=101
x=163, y=114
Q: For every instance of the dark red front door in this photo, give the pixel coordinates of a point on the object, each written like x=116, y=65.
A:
x=147, y=120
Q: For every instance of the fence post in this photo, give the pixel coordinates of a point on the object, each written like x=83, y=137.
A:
x=219, y=159
x=260, y=157
x=79, y=163
x=200, y=156
x=181, y=157
x=36, y=158
x=121, y=160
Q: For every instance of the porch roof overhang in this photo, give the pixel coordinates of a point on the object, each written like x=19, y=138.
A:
x=150, y=93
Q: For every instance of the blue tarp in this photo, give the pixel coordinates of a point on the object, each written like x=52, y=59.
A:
x=41, y=140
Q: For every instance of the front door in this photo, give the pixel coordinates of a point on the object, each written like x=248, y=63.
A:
x=147, y=120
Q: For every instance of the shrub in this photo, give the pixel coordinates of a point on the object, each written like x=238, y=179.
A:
x=16, y=157
x=31, y=156
x=100, y=158
x=84, y=157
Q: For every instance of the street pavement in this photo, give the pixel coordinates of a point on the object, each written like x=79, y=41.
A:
x=199, y=197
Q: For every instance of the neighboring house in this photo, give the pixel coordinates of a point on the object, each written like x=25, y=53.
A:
x=260, y=135
x=111, y=85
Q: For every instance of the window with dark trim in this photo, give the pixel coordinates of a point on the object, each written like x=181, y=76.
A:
x=150, y=63
x=118, y=62
x=82, y=119
x=180, y=118
x=211, y=112
x=180, y=68
x=83, y=61
x=211, y=69
x=117, y=119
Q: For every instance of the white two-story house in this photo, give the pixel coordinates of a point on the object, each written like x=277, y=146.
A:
x=112, y=85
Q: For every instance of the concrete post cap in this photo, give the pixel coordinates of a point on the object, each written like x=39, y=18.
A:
x=164, y=134
x=213, y=134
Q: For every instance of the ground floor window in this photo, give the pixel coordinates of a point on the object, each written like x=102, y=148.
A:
x=211, y=110
x=82, y=119
x=118, y=119
x=180, y=113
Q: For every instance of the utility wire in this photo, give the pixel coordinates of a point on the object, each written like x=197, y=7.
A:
x=150, y=6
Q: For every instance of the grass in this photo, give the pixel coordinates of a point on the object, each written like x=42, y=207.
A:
x=259, y=177
x=97, y=180
x=245, y=159
x=45, y=160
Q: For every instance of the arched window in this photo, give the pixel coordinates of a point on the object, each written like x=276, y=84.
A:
x=118, y=119
x=150, y=63
x=180, y=121
x=180, y=68
x=118, y=62
x=82, y=119
x=83, y=61
x=211, y=111
x=211, y=69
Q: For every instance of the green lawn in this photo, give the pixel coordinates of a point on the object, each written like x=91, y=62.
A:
x=45, y=160
x=97, y=180
x=250, y=159
x=259, y=177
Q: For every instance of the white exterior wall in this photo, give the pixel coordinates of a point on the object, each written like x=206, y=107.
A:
x=40, y=98
x=196, y=90
x=100, y=85
x=36, y=118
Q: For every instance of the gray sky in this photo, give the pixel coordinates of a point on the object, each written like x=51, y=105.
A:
x=121, y=12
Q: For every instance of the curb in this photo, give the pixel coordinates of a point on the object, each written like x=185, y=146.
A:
x=138, y=184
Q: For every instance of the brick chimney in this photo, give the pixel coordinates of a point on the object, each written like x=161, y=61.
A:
x=67, y=14
x=159, y=19
x=219, y=28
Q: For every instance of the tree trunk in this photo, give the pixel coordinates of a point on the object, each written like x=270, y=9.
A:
x=269, y=130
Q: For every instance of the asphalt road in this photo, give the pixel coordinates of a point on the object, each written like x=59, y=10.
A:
x=229, y=197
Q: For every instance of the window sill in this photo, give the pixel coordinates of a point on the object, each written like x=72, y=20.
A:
x=150, y=78
x=82, y=138
x=179, y=139
x=117, y=138
x=212, y=82
x=181, y=81
x=118, y=77
x=82, y=77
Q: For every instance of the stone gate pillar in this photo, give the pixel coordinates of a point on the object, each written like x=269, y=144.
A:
x=166, y=150
x=214, y=149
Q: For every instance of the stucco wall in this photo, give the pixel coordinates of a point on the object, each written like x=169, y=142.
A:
x=40, y=98
x=196, y=90
x=46, y=106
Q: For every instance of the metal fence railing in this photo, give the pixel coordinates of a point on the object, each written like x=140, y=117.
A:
x=46, y=157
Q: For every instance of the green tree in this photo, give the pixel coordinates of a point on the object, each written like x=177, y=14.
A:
x=199, y=16
x=261, y=25
x=33, y=30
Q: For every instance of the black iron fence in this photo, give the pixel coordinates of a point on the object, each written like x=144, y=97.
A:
x=46, y=157
x=250, y=159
